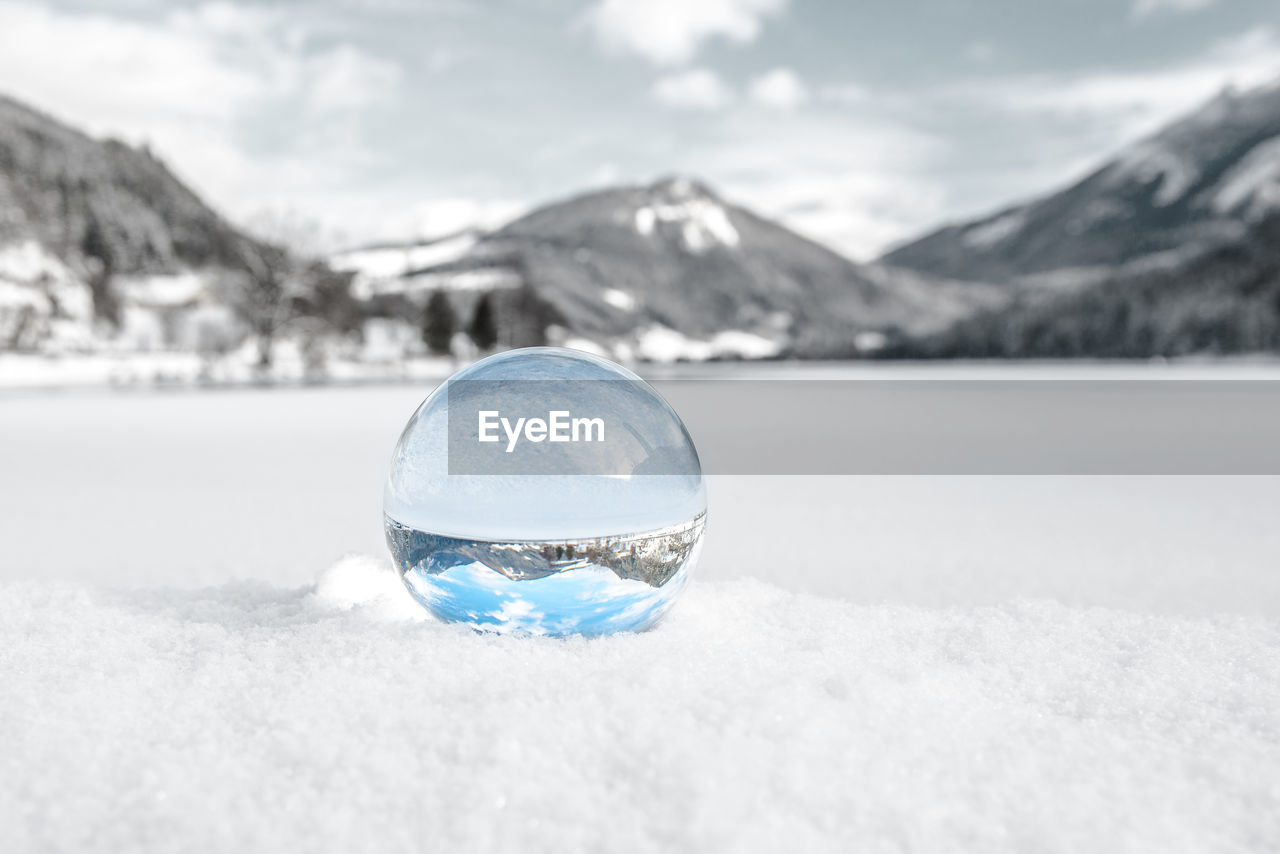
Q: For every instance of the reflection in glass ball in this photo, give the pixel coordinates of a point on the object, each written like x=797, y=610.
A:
x=545, y=491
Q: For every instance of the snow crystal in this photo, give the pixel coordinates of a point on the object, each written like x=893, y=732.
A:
x=336, y=718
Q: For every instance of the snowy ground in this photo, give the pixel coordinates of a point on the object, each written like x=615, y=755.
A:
x=189, y=662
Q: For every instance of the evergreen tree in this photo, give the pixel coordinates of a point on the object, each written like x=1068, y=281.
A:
x=438, y=324
x=484, y=328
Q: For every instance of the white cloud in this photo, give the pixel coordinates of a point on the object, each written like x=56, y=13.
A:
x=670, y=32
x=1143, y=8
x=695, y=89
x=854, y=182
x=187, y=82
x=345, y=79
x=440, y=217
x=1138, y=100
x=780, y=89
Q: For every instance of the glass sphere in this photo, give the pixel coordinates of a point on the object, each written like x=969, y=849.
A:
x=545, y=491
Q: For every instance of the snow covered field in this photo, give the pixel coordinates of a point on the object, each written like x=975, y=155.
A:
x=191, y=658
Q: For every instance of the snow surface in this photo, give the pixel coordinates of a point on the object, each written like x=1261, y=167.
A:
x=334, y=717
x=27, y=261
x=664, y=345
x=382, y=263
x=862, y=663
x=178, y=289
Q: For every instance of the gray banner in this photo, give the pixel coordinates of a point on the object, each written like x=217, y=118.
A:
x=969, y=426
x=981, y=426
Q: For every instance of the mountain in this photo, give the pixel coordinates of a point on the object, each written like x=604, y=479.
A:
x=103, y=247
x=672, y=270
x=81, y=198
x=1170, y=248
x=1197, y=183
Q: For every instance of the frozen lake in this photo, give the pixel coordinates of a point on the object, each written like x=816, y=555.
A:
x=191, y=488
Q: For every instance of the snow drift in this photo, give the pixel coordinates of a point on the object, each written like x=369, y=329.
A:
x=337, y=717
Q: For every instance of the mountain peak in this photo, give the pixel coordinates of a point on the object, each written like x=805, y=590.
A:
x=686, y=208
x=680, y=188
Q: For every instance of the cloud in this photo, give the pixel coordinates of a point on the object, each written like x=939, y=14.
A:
x=695, y=89
x=441, y=217
x=1137, y=100
x=780, y=89
x=1143, y=8
x=670, y=32
x=855, y=182
x=196, y=83
x=979, y=51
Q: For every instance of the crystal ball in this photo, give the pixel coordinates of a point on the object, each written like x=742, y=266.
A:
x=545, y=491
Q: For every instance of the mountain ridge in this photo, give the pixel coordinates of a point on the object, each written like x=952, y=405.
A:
x=1185, y=183
x=675, y=259
x=82, y=198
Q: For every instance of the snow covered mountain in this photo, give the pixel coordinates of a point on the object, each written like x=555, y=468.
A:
x=1199, y=182
x=1172, y=247
x=98, y=240
x=673, y=271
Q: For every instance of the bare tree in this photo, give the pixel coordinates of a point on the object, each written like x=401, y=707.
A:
x=264, y=293
x=281, y=279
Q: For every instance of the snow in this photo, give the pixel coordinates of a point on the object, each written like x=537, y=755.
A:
x=178, y=289
x=1151, y=161
x=16, y=297
x=383, y=262
x=664, y=345
x=482, y=279
x=27, y=261
x=333, y=717
x=743, y=345
x=618, y=299
x=990, y=233
x=703, y=222
x=383, y=358
x=379, y=269
x=1252, y=186
x=645, y=219
x=862, y=663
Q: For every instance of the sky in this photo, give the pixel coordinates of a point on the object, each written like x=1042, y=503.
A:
x=860, y=124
